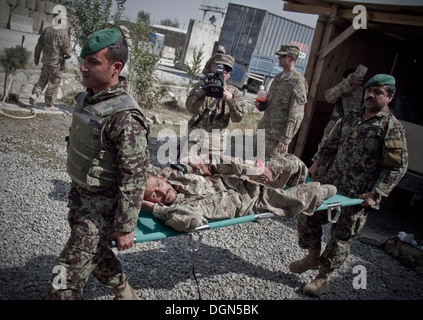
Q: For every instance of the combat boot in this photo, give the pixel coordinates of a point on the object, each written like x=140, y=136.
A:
x=328, y=190
x=309, y=262
x=125, y=292
x=33, y=99
x=320, y=284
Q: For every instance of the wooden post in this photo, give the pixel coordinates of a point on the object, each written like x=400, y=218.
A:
x=309, y=108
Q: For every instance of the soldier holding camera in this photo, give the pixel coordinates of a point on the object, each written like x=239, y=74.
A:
x=214, y=104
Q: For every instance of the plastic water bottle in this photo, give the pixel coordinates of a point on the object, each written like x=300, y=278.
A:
x=262, y=99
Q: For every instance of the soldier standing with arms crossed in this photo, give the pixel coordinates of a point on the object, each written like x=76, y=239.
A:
x=107, y=161
x=287, y=96
x=368, y=156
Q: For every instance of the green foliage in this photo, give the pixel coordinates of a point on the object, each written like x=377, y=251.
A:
x=88, y=16
x=170, y=23
x=14, y=58
x=142, y=63
x=195, y=68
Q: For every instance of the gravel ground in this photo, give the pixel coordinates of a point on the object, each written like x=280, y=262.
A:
x=247, y=261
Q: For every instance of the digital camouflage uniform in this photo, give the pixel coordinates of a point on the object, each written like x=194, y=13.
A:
x=219, y=118
x=285, y=110
x=54, y=44
x=368, y=155
x=229, y=193
x=97, y=211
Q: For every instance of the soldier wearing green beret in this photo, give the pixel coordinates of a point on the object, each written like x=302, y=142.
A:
x=368, y=156
x=107, y=161
x=286, y=98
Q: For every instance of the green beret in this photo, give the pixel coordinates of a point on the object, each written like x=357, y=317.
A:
x=380, y=80
x=100, y=40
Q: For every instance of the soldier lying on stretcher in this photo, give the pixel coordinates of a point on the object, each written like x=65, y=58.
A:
x=230, y=188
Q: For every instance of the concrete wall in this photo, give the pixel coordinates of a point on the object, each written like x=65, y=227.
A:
x=30, y=16
x=25, y=80
x=199, y=34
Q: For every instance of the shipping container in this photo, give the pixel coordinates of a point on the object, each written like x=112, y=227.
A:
x=252, y=36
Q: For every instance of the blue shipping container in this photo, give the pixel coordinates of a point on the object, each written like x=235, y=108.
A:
x=252, y=36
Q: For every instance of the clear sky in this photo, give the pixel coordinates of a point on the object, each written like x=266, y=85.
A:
x=184, y=10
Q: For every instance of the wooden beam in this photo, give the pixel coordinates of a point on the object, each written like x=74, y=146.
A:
x=388, y=17
x=338, y=40
x=309, y=107
x=346, y=13
x=303, y=8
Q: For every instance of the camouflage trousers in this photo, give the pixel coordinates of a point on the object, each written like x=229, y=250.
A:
x=50, y=77
x=86, y=252
x=350, y=222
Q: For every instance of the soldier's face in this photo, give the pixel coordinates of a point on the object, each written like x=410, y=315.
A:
x=98, y=73
x=284, y=60
x=158, y=190
x=377, y=98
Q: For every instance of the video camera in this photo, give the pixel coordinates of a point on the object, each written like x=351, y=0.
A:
x=214, y=83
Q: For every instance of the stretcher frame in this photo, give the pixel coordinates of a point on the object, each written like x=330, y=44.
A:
x=150, y=228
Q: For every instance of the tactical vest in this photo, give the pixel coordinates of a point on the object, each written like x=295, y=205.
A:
x=89, y=163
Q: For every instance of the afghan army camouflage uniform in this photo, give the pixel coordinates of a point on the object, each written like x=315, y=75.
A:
x=285, y=110
x=219, y=118
x=54, y=45
x=111, y=195
x=230, y=193
x=368, y=155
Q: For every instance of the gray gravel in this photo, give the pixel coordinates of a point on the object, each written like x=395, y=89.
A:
x=248, y=261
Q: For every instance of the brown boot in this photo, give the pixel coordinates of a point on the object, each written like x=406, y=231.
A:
x=320, y=284
x=309, y=262
x=125, y=292
x=33, y=99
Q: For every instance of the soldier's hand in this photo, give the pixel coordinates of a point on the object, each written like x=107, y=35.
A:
x=312, y=171
x=369, y=199
x=282, y=148
x=125, y=240
x=227, y=95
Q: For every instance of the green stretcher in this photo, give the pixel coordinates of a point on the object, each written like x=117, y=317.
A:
x=150, y=228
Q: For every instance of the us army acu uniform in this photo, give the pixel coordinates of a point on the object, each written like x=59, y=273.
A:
x=368, y=155
x=229, y=192
x=285, y=106
x=54, y=45
x=200, y=131
x=107, y=161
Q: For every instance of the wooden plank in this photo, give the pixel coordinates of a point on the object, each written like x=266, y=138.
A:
x=309, y=108
x=346, y=13
x=338, y=40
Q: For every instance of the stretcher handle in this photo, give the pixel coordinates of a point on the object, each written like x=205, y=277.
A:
x=113, y=243
x=334, y=206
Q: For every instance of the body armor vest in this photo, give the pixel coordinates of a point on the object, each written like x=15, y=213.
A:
x=89, y=163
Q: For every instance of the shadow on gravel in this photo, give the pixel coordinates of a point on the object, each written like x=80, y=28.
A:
x=60, y=191
x=165, y=268
x=28, y=282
